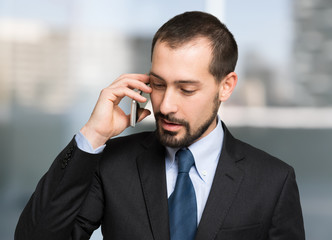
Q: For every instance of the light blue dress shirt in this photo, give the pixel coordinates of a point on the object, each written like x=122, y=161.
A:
x=206, y=153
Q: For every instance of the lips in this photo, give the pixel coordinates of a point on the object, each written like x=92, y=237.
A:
x=170, y=126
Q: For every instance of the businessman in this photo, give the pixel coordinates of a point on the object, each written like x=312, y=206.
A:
x=189, y=179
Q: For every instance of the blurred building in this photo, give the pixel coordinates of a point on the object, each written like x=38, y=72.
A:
x=313, y=51
x=45, y=68
x=33, y=65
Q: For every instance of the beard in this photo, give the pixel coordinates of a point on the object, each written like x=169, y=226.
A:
x=168, y=138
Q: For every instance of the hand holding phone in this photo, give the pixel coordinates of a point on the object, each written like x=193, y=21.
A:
x=108, y=119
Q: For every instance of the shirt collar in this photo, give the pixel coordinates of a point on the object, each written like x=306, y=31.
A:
x=206, y=152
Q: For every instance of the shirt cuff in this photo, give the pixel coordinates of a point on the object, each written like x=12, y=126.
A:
x=84, y=144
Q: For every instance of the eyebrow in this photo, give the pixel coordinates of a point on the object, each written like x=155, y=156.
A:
x=177, y=81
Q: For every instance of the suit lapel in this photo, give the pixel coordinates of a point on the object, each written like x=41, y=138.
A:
x=151, y=167
x=227, y=180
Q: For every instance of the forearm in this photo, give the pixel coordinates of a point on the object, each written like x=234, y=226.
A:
x=52, y=209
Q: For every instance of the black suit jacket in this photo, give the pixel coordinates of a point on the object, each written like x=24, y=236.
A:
x=254, y=196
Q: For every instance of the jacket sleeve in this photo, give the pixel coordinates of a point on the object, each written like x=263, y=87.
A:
x=52, y=211
x=287, y=221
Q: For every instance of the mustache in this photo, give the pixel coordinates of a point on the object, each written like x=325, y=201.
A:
x=170, y=118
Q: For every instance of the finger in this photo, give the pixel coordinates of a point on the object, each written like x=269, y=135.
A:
x=140, y=77
x=116, y=95
x=131, y=84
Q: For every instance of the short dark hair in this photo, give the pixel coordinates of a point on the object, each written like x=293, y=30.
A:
x=190, y=25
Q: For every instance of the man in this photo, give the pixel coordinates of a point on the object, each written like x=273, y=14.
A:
x=136, y=187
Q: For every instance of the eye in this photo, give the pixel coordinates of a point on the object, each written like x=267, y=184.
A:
x=188, y=91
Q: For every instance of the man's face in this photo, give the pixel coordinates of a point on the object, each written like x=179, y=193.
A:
x=185, y=96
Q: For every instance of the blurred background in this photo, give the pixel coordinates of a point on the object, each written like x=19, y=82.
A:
x=56, y=56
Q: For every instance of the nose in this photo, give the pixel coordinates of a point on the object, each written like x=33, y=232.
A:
x=169, y=103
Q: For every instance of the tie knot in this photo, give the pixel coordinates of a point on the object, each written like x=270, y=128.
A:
x=185, y=160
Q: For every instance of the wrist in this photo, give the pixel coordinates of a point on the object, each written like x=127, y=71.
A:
x=95, y=139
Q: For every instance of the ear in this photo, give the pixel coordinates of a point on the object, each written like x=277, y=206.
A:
x=227, y=86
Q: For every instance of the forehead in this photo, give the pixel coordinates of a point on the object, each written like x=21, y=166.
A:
x=191, y=60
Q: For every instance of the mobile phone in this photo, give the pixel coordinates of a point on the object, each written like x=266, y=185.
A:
x=134, y=109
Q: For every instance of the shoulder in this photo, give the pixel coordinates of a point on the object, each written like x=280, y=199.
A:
x=254, y=160
x=262, y=160
x=261, y=171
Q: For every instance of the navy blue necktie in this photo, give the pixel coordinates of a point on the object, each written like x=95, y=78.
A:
x=182, y=206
